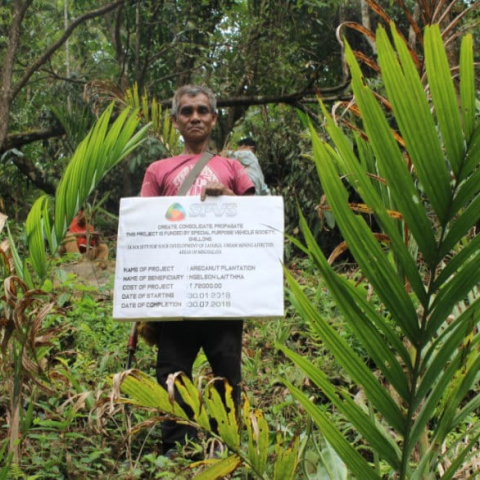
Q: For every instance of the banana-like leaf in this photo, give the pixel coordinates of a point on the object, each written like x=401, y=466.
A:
x=225, y=415
x=287, y=459
x=258, y=437
x=220, y=468
x=191, y=396
x=144, y=391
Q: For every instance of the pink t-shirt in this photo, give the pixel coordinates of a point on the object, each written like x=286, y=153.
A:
x=164, y=178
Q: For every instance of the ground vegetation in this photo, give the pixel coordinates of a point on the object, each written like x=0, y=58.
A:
x=373, y=371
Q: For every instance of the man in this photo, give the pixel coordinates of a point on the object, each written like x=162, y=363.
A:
x=245, y=154
x=194, y=115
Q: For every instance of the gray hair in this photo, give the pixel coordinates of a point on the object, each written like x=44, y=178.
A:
x=192, y=91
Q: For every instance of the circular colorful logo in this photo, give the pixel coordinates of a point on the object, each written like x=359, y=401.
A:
x=175, y=213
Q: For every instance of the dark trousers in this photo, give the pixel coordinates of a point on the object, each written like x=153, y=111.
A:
x=178, y=345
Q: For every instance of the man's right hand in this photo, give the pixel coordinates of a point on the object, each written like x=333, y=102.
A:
x=215, y=189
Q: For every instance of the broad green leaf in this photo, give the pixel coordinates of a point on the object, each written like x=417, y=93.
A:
x=144, y=391
x=258, y=437
x=219, y=469
x=224, y=415
x=286, y=459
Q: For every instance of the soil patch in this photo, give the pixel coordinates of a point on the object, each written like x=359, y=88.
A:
x=94, y=274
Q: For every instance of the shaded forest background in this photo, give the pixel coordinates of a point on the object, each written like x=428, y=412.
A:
x=63, y=61
x=385, y=349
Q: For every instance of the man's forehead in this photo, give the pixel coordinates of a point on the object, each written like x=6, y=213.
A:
x=198, y=99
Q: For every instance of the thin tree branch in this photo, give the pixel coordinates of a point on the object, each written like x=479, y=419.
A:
x=53, y=48
x=18, y=140
x=29, y=169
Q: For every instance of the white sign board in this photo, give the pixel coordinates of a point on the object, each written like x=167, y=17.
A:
x=179, y=257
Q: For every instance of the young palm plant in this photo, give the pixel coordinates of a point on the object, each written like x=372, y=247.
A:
x=424, y=342
x=24, y=307
x=104, y=147
x=144, y=392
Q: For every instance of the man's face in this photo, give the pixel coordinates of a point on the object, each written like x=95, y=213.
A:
x=194, y=120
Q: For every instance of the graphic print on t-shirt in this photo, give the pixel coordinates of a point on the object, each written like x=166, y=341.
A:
x=206, y=175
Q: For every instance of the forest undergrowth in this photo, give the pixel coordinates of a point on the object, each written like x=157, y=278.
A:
x=72, y=430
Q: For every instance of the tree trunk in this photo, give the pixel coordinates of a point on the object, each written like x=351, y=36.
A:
x=6, y=93
x=8, y=90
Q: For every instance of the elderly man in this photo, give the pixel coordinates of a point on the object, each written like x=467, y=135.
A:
x=194, y=114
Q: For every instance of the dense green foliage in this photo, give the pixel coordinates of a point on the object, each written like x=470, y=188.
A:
x=384, y=359
x=423, y=341
x=158, y=46
x=72, y=431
